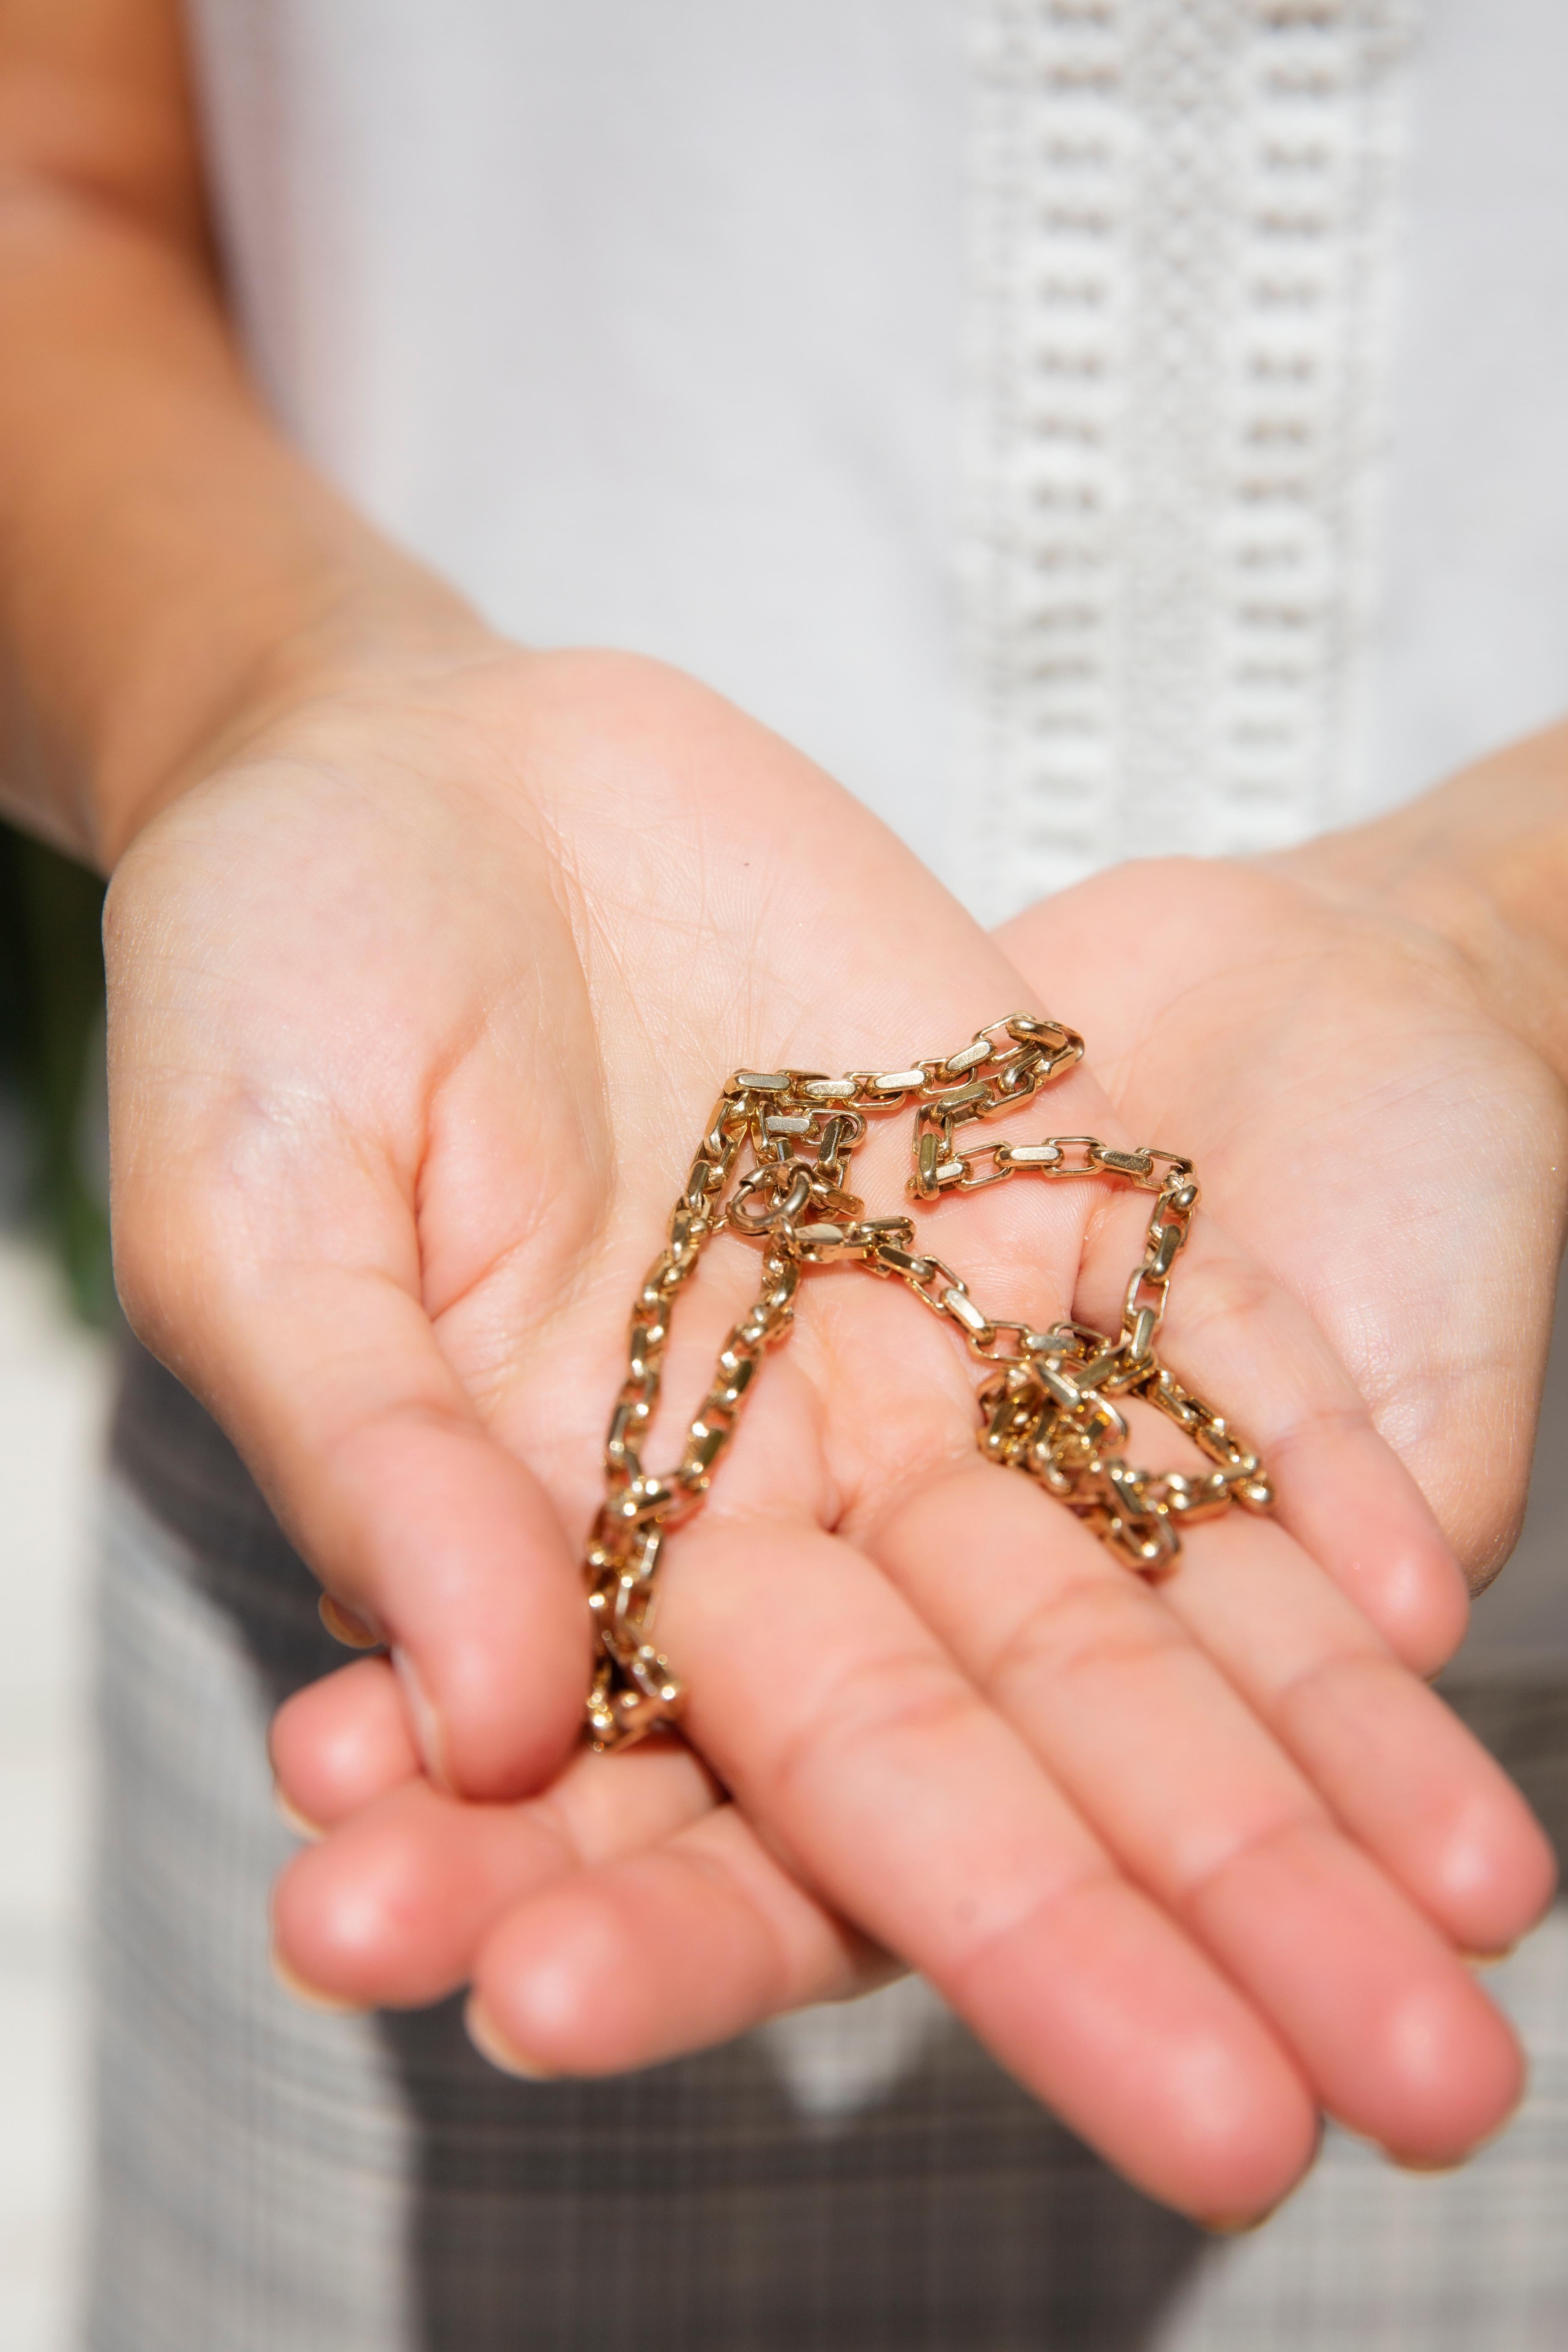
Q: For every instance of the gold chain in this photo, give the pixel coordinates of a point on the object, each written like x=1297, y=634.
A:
x=1047, y=1406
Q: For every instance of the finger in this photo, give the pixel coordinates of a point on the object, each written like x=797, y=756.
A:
x=686, y=1944
x=341, y=1742
x=666, y=1952
x=892, y=1792
x=1396, y=1767
x=303, y=1327
x=389, y=1909
x=1252, y=1350
x=1447, y=1821
x=1188, y=1789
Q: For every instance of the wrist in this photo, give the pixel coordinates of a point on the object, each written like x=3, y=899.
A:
x=309, y=638
x=171, y=569
x=1480, y=863
x=354, y=617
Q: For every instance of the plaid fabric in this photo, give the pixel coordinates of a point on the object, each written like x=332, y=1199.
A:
x=271, y=2180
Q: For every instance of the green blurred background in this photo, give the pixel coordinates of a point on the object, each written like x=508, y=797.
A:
x=51, y=1062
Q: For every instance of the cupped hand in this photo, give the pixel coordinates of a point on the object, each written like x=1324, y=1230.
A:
x=419, y=1002
x=1374, y=1124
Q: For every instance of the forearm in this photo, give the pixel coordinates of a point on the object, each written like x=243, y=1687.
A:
x=1482, y=861
x=168, y=565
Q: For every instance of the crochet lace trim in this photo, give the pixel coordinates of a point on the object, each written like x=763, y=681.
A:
x=1183, y=219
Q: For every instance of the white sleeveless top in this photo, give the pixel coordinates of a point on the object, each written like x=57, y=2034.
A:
x=1088, y=426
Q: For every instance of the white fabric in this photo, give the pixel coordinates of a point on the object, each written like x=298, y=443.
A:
x=644, y=322
x=1185, y=217
x=1472, y=638
x=662, y=327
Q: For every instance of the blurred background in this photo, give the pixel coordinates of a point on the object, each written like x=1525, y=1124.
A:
x=55, y=1304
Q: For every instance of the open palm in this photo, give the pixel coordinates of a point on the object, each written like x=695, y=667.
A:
x=1368, y=1127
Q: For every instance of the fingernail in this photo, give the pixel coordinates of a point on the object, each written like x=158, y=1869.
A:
x=1238, y=2225
x=491, y=2043
x=1468, y=2156
x=1489, y=1959
x=312, y=1997
x=346, y=1625
x=424, y=1720
x=293, y=1819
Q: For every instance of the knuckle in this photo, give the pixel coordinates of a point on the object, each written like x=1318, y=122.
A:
x=883, y=1704
x=1097, y=1622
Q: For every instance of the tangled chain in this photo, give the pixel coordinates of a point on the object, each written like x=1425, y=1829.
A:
x=1046, y=1410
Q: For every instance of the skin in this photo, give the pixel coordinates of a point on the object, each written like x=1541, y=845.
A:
x=425, y=953
x=1364, y=1053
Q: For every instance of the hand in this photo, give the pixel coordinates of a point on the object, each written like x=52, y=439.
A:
x=418, y=999
x=1371, y=1102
